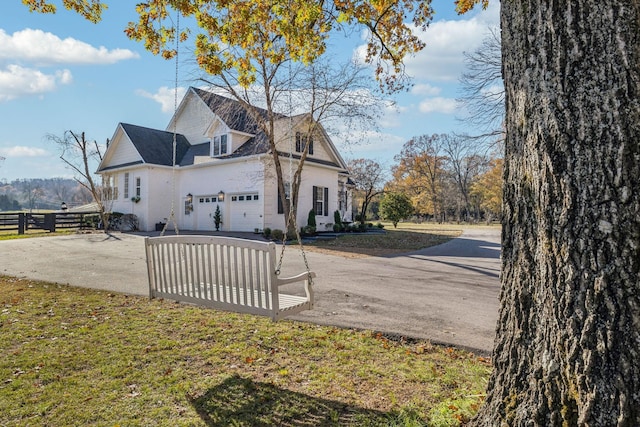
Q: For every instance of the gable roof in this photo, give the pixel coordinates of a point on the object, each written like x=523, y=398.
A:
x=237, y=117
x=156, y=146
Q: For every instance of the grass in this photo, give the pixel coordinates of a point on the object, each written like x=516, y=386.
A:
x=406, y=237
x=11, y=235
x=73, y=356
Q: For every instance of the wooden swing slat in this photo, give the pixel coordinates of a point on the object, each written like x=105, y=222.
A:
x=224, y=273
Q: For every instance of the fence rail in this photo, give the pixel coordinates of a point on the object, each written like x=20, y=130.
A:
x=23, y=221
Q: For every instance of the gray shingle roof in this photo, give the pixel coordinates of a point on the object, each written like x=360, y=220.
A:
x=203, y=149
x=234, y=115
x=156, y=146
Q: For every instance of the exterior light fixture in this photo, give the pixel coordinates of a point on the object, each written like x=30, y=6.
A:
x=221, y=196
x=189, y=198
x=63, y=206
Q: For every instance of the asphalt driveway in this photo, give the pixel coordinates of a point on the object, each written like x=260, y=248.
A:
x=447, y=293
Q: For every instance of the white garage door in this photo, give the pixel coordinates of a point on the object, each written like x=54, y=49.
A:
x=246, y=212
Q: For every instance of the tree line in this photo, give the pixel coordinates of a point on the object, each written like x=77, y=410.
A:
x=446, y=177
x=41, y=193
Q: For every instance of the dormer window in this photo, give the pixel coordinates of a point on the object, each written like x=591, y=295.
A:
x=302, y=140
x=219, y=146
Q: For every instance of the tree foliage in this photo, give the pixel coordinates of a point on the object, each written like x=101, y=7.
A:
x=395, y=207
x=487, y=190
x=438, y=172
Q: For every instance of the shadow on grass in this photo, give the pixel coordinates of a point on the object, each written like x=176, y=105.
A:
x=242, y=402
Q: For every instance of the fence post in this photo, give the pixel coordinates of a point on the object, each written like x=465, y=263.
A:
x=21, y=222
x=50, y=222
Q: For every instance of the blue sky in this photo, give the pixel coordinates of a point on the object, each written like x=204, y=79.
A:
x=60, y=72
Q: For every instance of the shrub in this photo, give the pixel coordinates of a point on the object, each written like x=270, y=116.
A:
x=266, y=232
x=277, y=234
x=338, y=228
x=308, y=230
x=337, y=218
x=361, y=227
x=380, y=226
x=129, y=222
x=311, y=220
x=369, y=225
x=217, y=218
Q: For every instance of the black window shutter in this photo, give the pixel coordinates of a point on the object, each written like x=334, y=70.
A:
x=314, y=199
x=280, y=207
x=298, y=143
x=326, y=201
x=310, y=145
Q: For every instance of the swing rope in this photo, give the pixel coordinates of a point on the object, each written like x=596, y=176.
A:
x=292, y=217
x=172, y=213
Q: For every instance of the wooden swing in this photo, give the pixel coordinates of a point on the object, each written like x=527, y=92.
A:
x=222, y=272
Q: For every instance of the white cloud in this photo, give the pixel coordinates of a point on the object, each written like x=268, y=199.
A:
x=16, y=81
x=425, y=89
x=438, y=105
x=22, y=151
x=165, y=96
x=38, y=47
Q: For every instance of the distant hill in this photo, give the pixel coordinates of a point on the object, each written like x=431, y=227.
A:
x=40, y=193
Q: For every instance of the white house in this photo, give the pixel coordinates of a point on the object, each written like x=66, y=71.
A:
x=222, y=158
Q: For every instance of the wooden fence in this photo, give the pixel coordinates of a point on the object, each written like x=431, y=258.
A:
x=21, y=222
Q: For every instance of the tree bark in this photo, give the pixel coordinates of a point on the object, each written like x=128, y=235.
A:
x=567, y=350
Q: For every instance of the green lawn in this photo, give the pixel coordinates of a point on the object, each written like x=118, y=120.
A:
x=74, y=356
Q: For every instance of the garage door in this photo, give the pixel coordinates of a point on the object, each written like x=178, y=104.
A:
x=246, y=212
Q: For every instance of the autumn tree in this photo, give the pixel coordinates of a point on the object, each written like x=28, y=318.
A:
x=421, y=170
x=464, y=163
x=368, y=177
x=487, y=190
x=566, y=350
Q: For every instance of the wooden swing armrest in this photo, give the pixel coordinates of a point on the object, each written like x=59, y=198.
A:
x=297, y=278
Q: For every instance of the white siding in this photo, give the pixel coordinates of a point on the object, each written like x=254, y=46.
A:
x=194, y=120
x=312, y=175
x=123, y=152
x=231, y=177
x=286, y=142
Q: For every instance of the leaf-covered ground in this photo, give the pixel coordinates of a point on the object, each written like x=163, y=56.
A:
x=406, y=238
x=74, y=356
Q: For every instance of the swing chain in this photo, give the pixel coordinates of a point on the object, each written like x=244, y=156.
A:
x=302, y=251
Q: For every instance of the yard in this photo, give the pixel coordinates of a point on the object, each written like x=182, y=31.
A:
x=74, y=356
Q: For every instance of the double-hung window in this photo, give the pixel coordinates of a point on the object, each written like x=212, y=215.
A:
x=301, y=142
x=321, y=200
x=220, y=145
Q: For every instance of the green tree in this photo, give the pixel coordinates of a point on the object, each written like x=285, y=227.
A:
x=395, y=207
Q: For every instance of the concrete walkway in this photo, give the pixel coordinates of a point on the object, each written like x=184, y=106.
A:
x=447, y=293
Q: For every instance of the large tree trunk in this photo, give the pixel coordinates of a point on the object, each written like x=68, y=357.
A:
x=567, y=350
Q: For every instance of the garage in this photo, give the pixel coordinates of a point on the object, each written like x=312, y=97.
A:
x=245, y=212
